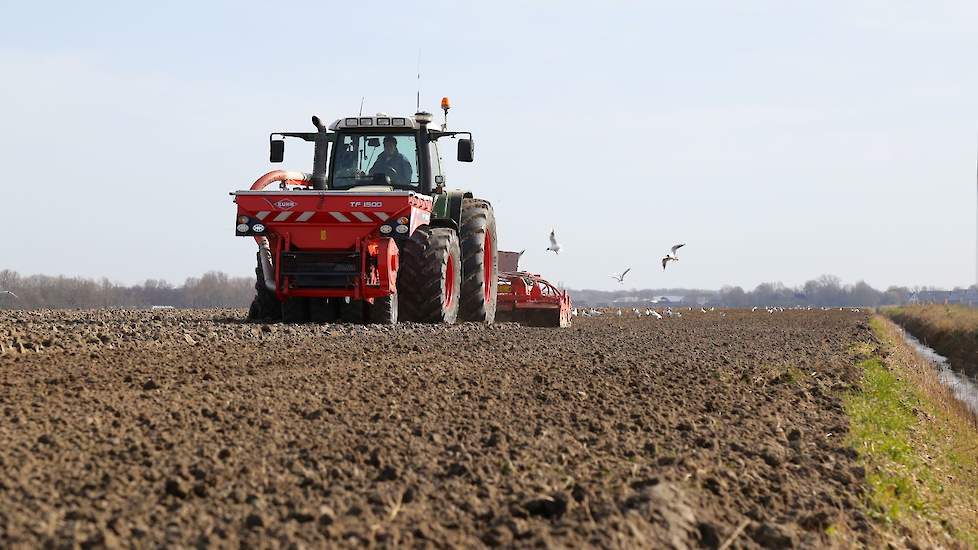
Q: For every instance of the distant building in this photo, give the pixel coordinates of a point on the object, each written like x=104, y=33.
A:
x=625, y=300
x=967, y=296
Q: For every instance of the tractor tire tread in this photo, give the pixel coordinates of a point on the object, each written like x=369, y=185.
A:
x=477, y=219
x=420, y=277
x=265, y=306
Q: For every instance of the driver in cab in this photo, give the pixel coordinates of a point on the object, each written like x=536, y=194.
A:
x=392, y=163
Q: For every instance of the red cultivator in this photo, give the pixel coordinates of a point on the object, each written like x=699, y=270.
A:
x=528, y=298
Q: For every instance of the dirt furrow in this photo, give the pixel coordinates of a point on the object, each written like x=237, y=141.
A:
x=191, y=427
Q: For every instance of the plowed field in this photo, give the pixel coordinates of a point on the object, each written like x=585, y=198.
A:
x=193, y=428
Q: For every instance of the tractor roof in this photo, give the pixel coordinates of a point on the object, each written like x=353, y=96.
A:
x=380, y=121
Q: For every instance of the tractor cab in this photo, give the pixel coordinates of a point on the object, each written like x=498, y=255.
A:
x=381, y=152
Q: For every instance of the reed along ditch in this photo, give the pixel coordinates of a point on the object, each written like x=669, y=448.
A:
x=963, y=385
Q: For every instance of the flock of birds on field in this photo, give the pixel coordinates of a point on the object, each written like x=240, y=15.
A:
x=678, y=313
x=672, y=256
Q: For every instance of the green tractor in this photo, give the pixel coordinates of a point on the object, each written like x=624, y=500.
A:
x=371, y=234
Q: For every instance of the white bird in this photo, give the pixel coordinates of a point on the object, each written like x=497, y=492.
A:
x=554, y=245
x=620, y=278
x=8, y=293
x=702, y=310
x=619, y=312
x=673, y=256
x=574, y=313
x=656, y=314
x=753, y=309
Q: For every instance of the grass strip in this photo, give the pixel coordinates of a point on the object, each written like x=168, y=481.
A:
x=919, y=452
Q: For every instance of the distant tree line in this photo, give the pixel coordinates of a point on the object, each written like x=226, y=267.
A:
x=212, y=289
x=216, y=289
x=825, y=291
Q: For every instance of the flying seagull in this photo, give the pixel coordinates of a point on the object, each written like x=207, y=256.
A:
x=620, y=278
x=673, y=256
x=554, y=245
x=8, y=293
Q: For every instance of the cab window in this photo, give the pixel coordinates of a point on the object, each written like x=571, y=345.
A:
x=358, y=158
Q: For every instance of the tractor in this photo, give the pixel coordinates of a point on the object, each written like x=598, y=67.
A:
x=371, y=234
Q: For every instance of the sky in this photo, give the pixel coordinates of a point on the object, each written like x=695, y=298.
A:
x=778, y=140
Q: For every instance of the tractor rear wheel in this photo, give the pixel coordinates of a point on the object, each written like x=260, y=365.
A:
x=429, y=277
x=265, y=306
x=480, y=268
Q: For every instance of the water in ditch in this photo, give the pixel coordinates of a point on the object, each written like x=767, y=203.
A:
x=964, y=387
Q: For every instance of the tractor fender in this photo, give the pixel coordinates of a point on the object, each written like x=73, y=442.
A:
x=447, y=209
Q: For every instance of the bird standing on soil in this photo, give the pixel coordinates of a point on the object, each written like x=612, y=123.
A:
x=620, y=278
x=554, y=245
x=656, y=314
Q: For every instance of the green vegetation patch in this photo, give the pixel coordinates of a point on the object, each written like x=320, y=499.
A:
x=921, y=460
x=881, y=418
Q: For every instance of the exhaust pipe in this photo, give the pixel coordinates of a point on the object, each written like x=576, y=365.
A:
x=264, y=252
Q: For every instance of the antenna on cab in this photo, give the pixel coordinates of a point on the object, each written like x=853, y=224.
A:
x=417, y=107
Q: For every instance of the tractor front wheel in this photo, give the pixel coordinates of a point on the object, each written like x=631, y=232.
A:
x=265, y=306
x=480, y=269
x=383, y=311
x=429, y=277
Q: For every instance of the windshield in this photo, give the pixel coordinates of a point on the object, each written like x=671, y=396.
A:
x=362, y=159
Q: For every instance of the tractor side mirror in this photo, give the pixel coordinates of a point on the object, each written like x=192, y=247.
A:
x=276, y=150
x=465, y=149
x=381, y=179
